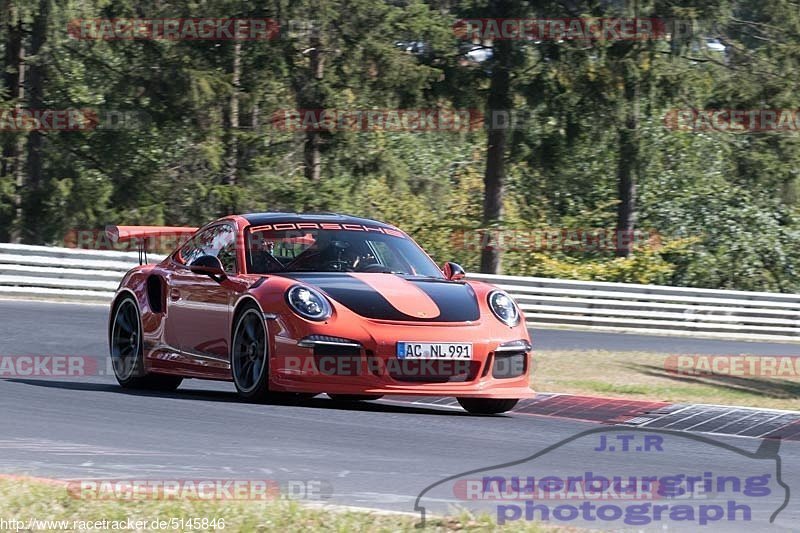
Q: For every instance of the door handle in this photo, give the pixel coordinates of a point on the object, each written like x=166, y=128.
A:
x=174, y=294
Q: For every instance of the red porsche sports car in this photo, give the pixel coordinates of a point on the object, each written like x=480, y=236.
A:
x=285, y=303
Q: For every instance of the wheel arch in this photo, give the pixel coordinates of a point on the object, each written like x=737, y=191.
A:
x=121, y=295
x=241, y=304
x=250, y=302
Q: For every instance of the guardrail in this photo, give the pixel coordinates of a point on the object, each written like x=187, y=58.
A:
x=654, y=308
x=44, y=272
x=92, y=276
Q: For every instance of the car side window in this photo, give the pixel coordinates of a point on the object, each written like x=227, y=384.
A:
x=217, y=241
x=227, y=254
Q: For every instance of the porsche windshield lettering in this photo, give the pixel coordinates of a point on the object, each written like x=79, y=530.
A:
x=339, y=249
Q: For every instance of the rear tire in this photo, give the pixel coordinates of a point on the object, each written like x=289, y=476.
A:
x=486, y=406
x=355, y=397
x=250, y=355
x=127, y=354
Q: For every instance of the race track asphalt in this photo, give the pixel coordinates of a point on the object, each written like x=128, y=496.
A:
x=376, y=454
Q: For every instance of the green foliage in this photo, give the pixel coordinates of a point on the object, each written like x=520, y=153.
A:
x=725, y=205
x=647, y=265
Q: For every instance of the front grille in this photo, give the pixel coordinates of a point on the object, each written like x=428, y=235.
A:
x=508, y=365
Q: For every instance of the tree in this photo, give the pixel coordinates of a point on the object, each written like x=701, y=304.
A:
x=34, y=186
x=13, y=95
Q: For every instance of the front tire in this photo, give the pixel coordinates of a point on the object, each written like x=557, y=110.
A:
x=486, y=406
x=127, y=354
x=250, y=355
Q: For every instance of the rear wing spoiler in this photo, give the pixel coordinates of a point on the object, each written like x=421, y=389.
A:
x=142, y=234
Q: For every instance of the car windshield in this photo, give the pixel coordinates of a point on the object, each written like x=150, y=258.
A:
x=319, y=250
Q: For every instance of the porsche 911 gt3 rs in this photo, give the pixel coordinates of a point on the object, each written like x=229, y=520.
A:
x=286, y=303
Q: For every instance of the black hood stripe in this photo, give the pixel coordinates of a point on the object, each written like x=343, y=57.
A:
x=456, y=301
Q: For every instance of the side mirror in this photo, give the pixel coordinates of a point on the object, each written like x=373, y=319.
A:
x=453, y=271
x=210, y=266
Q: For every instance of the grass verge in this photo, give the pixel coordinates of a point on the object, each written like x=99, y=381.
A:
x=29, y=499
x=645, y=376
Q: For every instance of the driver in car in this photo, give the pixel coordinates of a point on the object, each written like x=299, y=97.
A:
x=331, y=254
x=262, y=254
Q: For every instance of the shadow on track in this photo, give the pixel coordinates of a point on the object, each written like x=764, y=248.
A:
x=771, y=387
x=231, y=397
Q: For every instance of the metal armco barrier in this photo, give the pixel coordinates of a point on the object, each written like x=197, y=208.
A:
x=44, y=272
x=51, y=273
x=653, y=308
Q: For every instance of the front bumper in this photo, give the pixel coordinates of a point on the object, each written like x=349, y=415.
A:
x=368, y=365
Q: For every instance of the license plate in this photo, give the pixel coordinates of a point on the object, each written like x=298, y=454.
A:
x=434, y=350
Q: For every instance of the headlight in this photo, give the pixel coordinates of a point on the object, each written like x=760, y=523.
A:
x=504, y=308
x=308, y=303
